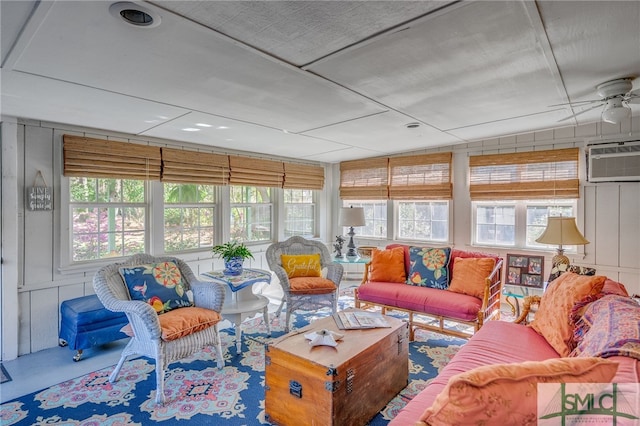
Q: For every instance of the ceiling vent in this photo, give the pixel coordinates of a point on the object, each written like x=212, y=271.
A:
x=614, y=162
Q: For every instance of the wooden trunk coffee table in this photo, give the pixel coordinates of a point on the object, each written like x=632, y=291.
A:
x=345, y=385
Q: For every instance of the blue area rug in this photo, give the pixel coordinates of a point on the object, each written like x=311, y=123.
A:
x=197, y=391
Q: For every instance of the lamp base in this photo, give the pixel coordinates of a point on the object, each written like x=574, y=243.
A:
x=560, y=259
x=351, y=246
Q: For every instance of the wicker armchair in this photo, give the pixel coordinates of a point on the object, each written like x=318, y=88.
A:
x=147, y=337
x=306, y=298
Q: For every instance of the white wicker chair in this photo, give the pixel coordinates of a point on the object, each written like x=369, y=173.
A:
x=147, y=341
x=303, y=300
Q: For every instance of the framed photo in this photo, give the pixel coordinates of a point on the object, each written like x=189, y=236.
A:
x=525, y=270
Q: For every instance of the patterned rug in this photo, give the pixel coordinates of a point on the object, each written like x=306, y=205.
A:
x=198, y=391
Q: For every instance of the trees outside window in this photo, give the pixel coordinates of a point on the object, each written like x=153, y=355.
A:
x=299, y=213
x=189, y=216
x=251, y=213
x=108, y=218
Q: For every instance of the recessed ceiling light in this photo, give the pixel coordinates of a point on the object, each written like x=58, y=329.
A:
x=134, y=14
x=221, y=127
x=191, y=129
x=412, y=125
x=203, y=125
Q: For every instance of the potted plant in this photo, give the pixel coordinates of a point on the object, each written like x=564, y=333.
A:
x=233, y=253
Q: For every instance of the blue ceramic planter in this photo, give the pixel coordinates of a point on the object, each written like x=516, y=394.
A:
x=233, y=266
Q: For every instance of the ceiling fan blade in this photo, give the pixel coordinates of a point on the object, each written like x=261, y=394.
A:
x=576, y=103
x=581, y=112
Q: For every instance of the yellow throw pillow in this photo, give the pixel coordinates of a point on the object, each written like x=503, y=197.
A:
x=388, y=266
x=506, y=394
x=552, y=319
x=470, y=274
x=301, y=265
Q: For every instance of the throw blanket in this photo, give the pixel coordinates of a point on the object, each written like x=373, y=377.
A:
x=610, y=326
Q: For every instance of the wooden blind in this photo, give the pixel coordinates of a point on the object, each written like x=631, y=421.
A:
x=256, y=172
x=425, y=177
x=179, y=166
x=89, y=157
x=364, y=179
x=525, y=175
x=300, y=176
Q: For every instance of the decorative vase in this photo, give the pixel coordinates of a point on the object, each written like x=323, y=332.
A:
x=233, y=266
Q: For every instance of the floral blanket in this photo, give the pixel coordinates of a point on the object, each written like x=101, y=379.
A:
x=609, y=326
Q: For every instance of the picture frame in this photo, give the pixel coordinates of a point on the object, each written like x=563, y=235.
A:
x=524, y=270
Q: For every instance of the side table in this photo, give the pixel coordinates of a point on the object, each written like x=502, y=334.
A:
x=352, y=260
x=240, y=303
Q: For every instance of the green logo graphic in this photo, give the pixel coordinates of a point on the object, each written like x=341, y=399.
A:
x=607, y=402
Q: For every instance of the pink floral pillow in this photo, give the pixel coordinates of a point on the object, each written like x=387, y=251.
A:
x=506, y=394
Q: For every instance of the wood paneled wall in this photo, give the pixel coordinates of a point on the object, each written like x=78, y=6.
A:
x=609, y=214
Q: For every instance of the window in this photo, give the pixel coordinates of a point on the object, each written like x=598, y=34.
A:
x=299, y=213
x=517, y=223
x=189, y=216
x=250, y=213
x=423, y=220
x=108, y=217
x=375, y=214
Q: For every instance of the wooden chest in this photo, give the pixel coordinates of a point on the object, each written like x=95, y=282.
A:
x=342, y=386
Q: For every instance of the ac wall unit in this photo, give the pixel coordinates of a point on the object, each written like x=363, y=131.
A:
x=615, y=162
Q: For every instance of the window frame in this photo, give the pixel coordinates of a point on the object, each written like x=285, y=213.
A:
x=314, y=209
x=66, y=236
x=213, y=204
x=359, y=203
x=397, y=226
x=245, y=204
x=520, y=222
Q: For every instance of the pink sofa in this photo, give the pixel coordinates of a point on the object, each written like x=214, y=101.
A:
x=501, y=342
x=439, y=305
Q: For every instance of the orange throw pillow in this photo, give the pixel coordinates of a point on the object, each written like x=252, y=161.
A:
x=184, y=321
x=301, y=265
x=388, y=266
x=552, y=320
x=470, y=274
x=506, y=394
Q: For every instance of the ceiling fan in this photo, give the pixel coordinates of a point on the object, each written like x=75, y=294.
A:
x=615, y=97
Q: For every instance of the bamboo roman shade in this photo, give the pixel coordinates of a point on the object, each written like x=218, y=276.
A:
x=425, y=177
x=300, y=176
x=179, y=166
x=89, y=157
x=364, y=179
x=254, y=171
x=525, y=175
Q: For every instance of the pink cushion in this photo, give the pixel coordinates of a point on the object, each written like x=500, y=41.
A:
x=497, y=342
x=506, y=394
x=421, y=299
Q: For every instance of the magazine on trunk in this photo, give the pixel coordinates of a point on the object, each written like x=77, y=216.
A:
x=352, y=320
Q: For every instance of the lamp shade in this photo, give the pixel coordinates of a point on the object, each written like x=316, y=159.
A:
x=562, y=231
x=351, y=216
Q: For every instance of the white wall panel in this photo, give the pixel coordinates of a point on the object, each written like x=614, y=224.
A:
x=629, y=225
x=38, y=236
x=589, y=223
x=607, y=225
x=24, y=320
x=44, y=330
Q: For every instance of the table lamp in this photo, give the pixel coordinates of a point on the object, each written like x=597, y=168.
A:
x=351, y=216
x=561, y=231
